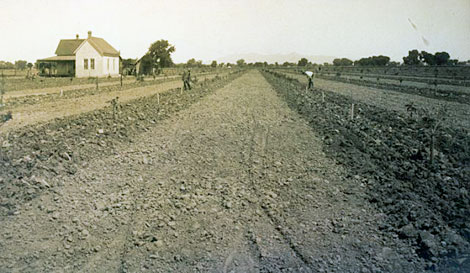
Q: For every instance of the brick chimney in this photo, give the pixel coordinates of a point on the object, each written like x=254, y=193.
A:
x=76, y=37
x=89, y=34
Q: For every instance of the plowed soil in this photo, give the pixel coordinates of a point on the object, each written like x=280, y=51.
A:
x=237, y=182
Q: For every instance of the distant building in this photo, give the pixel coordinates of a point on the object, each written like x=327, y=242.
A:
x=91, y=57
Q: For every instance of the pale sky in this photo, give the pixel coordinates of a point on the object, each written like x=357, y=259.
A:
x=211, y=29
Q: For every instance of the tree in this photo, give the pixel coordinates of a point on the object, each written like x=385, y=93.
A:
x=146, y=65
x=128, y=66
x=442, y=58
x=381, y=60
x=160, y=52
x=20, y=64
x=241, y=62
x=30, y=65
x=302, y=62
x=453, y=62
x=373, y=61
x=342, y=62
x=191, y=62
x=6, y=65
x=214, y=64
x=412, y=58
x=427, y=58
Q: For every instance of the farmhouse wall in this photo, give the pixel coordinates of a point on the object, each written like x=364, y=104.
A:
x=88, y=52
x=110, y=66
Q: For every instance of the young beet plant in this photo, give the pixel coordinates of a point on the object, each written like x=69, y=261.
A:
x=2, y=90
x=115, y=105
x=3, y=117
x=433, y=120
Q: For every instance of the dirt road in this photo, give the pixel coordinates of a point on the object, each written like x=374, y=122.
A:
x=235, y=183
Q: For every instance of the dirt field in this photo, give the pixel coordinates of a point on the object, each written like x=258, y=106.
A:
x=390, y=99
x=424, y=199
x=235, y=183
x=24, y=115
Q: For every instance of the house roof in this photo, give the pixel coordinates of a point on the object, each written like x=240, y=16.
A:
x=103, y=47
x=59, y=58
x=68, y=46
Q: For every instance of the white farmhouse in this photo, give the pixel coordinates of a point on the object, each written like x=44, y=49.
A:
x=91, y=57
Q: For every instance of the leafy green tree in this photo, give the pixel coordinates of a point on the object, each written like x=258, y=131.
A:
x=381, y=60
x=6, y=65
x=214, y=64
x=453, y=62
x=160, y=52
x=442, y=58
x=373, y=61
x=342, y=62
x=20, y=64
x=191, y=62
x=427, y=58
x=302, y=62
x=412, y=58
x=146, y=65
x=241, y=62
x=128, y=65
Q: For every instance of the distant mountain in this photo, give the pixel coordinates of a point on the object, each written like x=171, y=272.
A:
x=272, y=58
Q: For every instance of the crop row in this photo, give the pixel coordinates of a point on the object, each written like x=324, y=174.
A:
x=33, y=153
x=415, y=167
x=434, y=92
x=80, y=92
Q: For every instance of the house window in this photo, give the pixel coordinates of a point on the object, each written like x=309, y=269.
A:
x=92, y=63
x=85, y=63
x=108, y=64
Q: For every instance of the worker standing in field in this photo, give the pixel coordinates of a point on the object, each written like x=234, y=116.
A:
x=186, y=79
x=310, y=79
x=183, y=78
